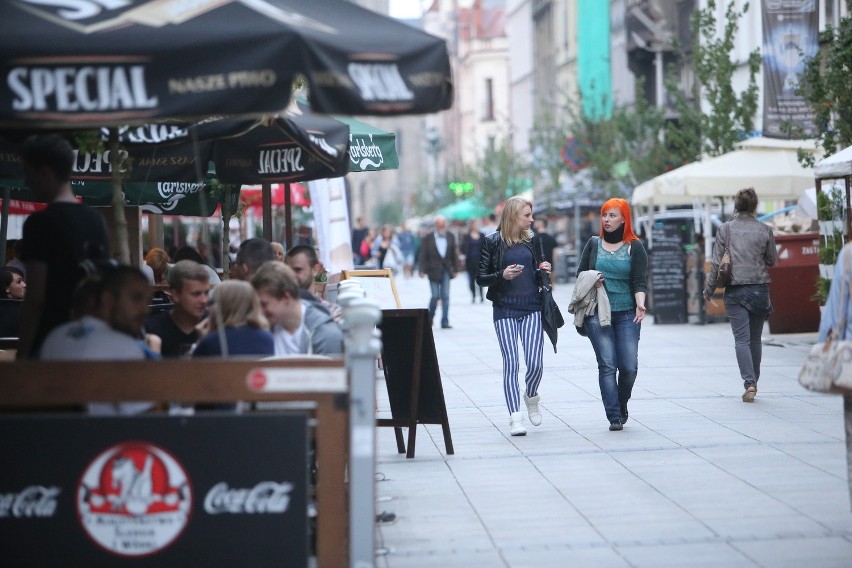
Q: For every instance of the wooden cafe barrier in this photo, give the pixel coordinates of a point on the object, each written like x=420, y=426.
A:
x=162, y=489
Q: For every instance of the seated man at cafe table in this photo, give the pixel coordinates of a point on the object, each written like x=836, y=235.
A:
x=190, y=289
x=250, y=256
x=305, y=263
x=110, y=328
x=298, y=326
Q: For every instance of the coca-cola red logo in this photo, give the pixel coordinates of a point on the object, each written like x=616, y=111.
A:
x=134, y=499
x=257, y=380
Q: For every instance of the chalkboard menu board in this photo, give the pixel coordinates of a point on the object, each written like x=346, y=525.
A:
x=668, y=294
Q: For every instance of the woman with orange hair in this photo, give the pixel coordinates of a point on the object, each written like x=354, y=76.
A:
x=621, y=263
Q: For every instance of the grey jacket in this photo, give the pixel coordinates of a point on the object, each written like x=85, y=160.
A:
x=752, y=248
x=321, y=335
x=324, y=337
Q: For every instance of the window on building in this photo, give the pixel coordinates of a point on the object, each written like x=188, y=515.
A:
x=488, y=110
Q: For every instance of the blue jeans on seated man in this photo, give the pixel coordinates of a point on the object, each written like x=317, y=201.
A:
x=440, y=291
x=617, y=350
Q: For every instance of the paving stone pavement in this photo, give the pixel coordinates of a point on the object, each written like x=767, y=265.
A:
x=696, y=478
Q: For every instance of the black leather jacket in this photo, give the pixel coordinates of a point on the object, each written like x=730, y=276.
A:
x=491, y=267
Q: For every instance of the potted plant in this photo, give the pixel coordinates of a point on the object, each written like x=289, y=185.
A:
x=320, y=281
x=831, y=210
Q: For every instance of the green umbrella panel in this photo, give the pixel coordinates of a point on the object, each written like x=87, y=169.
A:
x=370, y=148
x=470, y=208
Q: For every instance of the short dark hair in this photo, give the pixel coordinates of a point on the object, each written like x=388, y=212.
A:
x=746, y=201
x=306, y=250
x=186, y=252
x=7, y=274
x=254, y=252
x=116, y=278
x=49, y=150
x=187, y=270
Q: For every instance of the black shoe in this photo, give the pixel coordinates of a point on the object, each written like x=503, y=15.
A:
x=615, y=425
x=446, y=326
x=623, y=414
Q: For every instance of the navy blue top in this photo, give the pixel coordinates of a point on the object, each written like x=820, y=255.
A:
x=520, y=296
x=243, y=340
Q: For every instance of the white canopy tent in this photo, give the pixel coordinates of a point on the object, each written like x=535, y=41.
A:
x=836, y=166
x=770, y=166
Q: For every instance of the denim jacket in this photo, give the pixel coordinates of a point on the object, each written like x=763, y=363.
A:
x=752, y=248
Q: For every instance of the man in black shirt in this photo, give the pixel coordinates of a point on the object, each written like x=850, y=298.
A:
x=544, y=244
x=190, y=285
x=56, y=240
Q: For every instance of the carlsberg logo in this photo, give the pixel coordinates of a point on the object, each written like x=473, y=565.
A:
x=88, y=88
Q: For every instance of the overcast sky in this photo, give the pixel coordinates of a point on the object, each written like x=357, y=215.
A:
x=406, y=8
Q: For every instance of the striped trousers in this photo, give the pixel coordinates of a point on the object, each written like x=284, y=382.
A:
x=528, y=328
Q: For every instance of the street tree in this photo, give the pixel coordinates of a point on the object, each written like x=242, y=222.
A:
x=498, y=172
x=728, y=116
x=826, y=85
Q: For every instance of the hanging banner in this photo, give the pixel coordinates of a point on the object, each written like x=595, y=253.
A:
x=331, y=217
x=790, y=37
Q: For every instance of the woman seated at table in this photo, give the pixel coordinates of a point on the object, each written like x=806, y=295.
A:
x=235, y=314
x=12, y=291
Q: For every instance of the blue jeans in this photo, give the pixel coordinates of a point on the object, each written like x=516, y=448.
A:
x=747, y=327
x=440, y=291
x=616, y=349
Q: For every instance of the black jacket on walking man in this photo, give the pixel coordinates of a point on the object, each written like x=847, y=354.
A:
x=439, y=261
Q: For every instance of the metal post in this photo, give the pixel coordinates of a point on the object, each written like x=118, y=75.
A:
x=362, y=346
x=4, y=225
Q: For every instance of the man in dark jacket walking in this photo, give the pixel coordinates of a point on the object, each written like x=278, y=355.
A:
x=439, y=261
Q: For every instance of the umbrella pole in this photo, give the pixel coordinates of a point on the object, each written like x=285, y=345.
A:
x=266, y=195
x=225, y=211
x=4, y=224
x=121, y=238
x=288, y=217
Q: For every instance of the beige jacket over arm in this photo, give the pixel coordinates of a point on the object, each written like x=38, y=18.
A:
x=586, y=299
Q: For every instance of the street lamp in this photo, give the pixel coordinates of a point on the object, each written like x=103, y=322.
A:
x=433, y=148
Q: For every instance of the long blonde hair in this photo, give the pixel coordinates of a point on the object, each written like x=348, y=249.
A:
x=237, y=303
x=509, y=223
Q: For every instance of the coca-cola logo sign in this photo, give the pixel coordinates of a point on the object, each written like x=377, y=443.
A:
x=267, y=497
x=134, y=499
x=32, y=501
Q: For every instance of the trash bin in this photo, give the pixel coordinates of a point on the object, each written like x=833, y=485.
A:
x=793, y=283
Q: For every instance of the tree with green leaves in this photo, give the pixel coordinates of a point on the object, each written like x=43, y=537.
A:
x=826, y=85
x=498, y=173
x=729, y=116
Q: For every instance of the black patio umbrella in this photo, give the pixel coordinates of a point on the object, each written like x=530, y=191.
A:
x=85, y=64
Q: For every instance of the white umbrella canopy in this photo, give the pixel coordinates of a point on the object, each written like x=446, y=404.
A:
x=835, y=166
x=770, y=166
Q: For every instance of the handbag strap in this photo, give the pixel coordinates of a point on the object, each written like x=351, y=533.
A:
x=728, y=239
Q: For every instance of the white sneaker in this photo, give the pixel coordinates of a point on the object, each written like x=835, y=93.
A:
x=516, y=424
x=532, y=408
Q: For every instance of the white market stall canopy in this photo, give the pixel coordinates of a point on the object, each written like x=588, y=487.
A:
x=770, y=166
x=835, y=166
